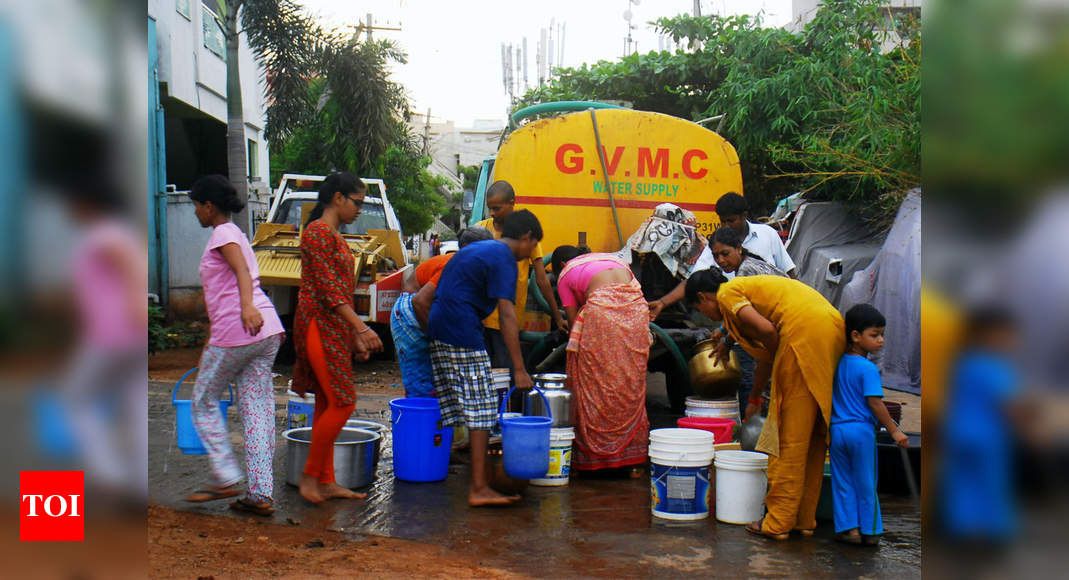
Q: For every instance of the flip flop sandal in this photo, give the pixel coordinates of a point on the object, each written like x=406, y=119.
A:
x=848, y=539
x=760, y=532
x=871, y=541
x=244, y=505
x=807, y=533
x=203, y=495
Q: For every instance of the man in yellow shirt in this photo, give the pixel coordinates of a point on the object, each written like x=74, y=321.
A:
x=501, y=201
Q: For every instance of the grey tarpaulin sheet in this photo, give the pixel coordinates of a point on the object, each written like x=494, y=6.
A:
x=892, y=283
x=828, y=245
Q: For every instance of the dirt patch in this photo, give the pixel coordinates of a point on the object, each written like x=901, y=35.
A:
x=185, y=545
x=172, y=363
x=373, y=376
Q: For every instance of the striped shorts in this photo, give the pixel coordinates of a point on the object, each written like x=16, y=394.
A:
x=465, y=386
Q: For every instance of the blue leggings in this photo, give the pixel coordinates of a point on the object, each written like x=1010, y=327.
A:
x=853, y=478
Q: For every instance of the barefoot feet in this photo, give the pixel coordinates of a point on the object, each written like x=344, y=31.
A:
x=488, y=497
x=335, y=491
x=309, y=489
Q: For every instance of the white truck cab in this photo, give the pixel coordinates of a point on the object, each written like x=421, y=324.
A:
x=382, y=263
x=295, y=191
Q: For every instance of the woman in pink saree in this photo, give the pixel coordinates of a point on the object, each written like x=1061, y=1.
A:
x=608, y=349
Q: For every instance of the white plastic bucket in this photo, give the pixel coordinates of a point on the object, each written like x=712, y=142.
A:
x=699, y=407
x=300, y=411
x=502, y=381
x=679, y=474
x=741, y=481
x=502, y=378
x=560, y=458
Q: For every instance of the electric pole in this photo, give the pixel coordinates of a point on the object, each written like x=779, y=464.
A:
x=369, y=25
x=427, y=134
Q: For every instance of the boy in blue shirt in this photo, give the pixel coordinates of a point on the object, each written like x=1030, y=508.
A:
x=856, y=406
x=478, y=279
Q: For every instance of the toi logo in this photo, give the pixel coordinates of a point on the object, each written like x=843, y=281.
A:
x=51, y=506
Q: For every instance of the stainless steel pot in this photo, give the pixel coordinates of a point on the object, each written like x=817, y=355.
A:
x=367, y=425
x=751, y=432
x=354, y=455
x=558, y=396
x=375, y=428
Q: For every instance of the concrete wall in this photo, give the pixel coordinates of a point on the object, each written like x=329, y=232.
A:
x=185, y=245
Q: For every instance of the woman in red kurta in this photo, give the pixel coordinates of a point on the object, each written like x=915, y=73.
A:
x=328, y=333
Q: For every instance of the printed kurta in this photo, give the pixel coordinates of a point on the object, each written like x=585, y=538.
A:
x=328, y=280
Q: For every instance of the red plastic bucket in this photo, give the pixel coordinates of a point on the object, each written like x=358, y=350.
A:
x=721, y=427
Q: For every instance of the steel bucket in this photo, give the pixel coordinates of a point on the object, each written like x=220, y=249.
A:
x=354, y=455
x=375, y=428
x=553, y=390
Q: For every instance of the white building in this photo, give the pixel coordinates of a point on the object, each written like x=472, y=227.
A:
x=192, y=78
x=188, y=70
x=450, y=146
x=803, y=11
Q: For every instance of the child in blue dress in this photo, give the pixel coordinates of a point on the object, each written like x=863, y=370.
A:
x=857, y=406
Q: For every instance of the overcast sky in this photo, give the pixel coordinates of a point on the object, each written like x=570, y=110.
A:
x=454, y=46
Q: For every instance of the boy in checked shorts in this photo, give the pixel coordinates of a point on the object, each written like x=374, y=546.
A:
x=478, y=279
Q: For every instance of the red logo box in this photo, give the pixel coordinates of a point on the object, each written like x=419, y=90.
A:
x=51, y=506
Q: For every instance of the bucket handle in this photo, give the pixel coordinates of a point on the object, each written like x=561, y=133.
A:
x=683, y=457
x=505, y=402
x=174, y=393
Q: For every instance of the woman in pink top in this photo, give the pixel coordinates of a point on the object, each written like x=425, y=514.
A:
x=608, y=349
x=246, y=334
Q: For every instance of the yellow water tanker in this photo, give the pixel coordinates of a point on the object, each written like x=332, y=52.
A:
x=646, y=159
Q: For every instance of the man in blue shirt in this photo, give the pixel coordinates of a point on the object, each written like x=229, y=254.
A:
x=478, y=279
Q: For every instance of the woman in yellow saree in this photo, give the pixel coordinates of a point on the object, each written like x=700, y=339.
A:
x=797, y=338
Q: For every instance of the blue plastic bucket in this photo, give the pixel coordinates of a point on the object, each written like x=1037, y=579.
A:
x=421, y=444
x=525, y=442
x=188, y=440
x=679, y=473
x=679, y=493
x=52, y=424
x=300, y=411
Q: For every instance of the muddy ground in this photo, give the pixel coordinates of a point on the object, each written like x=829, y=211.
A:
x=596, y=527
x=189, y=545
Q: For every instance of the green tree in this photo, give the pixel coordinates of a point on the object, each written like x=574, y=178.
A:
x=454, y=214
x=357, y=112
x=286, y=43
x=825, y=110
x=416, y=194
x=357, y=124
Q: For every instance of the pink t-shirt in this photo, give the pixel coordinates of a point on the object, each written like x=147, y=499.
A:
x=103, y=294
x=573, y=284
x=222, y=296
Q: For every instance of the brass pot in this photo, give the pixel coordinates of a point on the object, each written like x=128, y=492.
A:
x=710, y=380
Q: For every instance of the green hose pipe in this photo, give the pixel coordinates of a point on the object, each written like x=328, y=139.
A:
x=556, y=107
x=677, y=355
x=540, y=351
x=533, y=283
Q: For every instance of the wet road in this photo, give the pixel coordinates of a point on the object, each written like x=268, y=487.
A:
x=595, y=527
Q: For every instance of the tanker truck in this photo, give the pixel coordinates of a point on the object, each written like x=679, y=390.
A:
x=593, y=172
